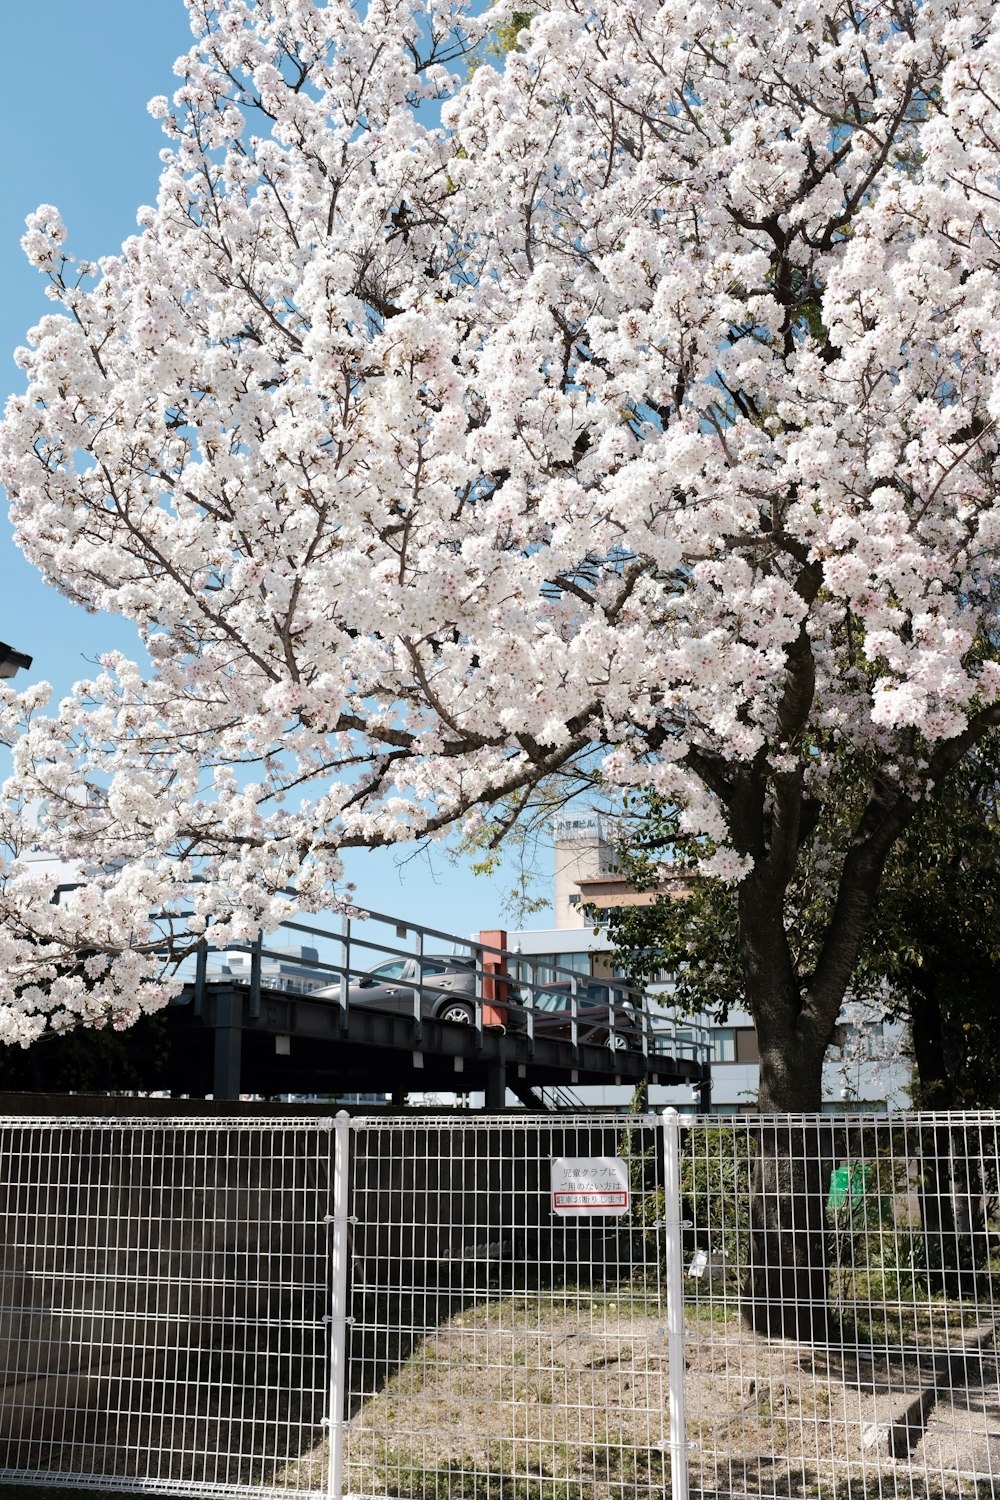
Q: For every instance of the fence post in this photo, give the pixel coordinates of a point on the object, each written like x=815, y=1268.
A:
x=338, y=1312
x=675, y=1304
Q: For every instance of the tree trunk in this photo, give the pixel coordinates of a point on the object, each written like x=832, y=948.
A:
x=951, y=1180
x=785, y=1290
x=934, y=1085
x=785, y=1287
x=785, y=1293
x=953, y=1206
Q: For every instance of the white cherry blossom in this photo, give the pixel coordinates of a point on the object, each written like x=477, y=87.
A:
x=626, y=405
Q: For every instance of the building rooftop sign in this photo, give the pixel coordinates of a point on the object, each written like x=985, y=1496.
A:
x=578, y=826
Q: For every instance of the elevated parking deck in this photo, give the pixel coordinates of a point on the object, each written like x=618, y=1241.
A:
x=281, y=1043
x=359, y=1005
x=311, y=1011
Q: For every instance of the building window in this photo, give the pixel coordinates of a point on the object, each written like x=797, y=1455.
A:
x=747, y=1050
x=578, y=962
x=545, y=968
x=733, y=1044
x=536, y=970
x=855, y=1048
x=722, y=1040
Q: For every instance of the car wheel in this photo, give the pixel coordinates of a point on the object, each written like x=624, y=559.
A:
x=617, y=1042
x=459, y=1012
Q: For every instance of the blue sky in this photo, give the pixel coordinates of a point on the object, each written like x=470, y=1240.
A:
x=75, y=133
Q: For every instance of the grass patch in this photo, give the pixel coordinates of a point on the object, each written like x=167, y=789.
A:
x=502, y=1473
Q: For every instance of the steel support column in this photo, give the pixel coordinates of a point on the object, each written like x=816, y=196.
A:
x=496, y=1085
x=228, y=1043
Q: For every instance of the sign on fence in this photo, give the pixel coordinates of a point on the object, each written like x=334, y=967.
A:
x=589, y=1185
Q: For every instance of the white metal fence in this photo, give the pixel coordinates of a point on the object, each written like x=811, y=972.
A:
x=500, y=1351
x=842, y=1306
x=163, y=1295
x=503, y=1308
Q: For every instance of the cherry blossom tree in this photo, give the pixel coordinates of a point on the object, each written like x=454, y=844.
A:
x=622, y=408
x=930, y=950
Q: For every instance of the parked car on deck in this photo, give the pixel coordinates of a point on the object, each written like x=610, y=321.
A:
x=605, y=1016
x=448, y=989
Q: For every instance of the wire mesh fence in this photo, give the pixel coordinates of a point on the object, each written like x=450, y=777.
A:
x=841, y=1306
x=838, y=1336
x=502, y=1348
x=163, y=1290
x=503, y=1308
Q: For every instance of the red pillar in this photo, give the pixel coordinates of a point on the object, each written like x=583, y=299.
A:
x=494, y=978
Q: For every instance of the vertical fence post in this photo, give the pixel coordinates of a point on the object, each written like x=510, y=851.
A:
x=338, y=1312
x=675, y=1304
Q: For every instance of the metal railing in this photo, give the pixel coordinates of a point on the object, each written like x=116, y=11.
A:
x=503, y=987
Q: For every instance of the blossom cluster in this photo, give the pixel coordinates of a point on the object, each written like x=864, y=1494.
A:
x=442, y=428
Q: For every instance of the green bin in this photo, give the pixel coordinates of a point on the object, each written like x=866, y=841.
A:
x=848, y=1185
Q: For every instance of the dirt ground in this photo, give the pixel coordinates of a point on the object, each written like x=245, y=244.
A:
x=501, y=1402
x=567, y=1398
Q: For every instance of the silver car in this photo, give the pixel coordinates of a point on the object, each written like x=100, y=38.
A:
x=447, y=993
